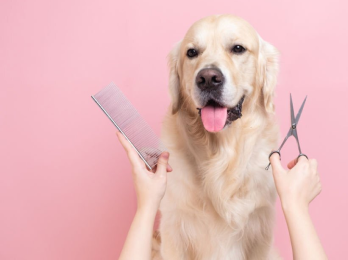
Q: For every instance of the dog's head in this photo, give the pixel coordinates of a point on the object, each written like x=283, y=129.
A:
x=221, y=63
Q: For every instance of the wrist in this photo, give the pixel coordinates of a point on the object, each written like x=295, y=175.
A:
x=147, y=210
x=148, y=202
x=294, y=207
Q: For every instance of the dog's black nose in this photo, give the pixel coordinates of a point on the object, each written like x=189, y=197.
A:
x=209, y=79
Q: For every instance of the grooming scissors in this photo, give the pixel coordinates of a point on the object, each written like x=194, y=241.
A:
x=292, y=131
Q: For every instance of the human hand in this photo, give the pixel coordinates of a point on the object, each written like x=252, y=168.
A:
x=298, y=186
x=150, y=186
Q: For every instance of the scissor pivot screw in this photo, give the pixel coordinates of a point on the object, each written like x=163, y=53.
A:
x=293, y=126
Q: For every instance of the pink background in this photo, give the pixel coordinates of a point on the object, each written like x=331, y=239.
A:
x=65, y=185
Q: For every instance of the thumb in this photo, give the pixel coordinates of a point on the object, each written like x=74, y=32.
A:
x=162, y=164
x=277, y=168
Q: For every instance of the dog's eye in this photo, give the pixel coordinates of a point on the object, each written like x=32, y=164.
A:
x=192, y=53
x=238, y=49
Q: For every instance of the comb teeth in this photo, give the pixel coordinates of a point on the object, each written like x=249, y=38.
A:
x=130, y=123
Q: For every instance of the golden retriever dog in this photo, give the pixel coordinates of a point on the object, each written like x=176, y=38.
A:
x=219, y=130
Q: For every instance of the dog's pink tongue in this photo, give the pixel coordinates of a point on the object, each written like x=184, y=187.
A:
x=214, y=118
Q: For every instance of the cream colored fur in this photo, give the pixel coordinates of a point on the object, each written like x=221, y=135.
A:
x=219, y=202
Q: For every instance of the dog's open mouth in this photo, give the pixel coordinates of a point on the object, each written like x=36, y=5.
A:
x=215, y=116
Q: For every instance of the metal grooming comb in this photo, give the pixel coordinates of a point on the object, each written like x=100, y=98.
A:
x=130, y=123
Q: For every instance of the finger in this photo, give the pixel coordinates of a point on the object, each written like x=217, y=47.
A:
x=169, y=168
x=162, y=163
x=132, y=154
x=314, y=165
x=302, y=158
x=276, y=165
x=292, y=163
x=125, y=144
x=302, y=161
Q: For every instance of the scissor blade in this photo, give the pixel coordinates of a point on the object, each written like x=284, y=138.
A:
x=286, y=138
x=292, y=111
x=294, y=133
x=300, y=111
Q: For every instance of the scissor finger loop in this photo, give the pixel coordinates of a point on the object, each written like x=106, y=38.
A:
x=273, y=152
x=301, y=154
x=269, y=157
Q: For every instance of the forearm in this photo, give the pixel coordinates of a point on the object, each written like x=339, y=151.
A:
x=139, y=238
x=304, y=239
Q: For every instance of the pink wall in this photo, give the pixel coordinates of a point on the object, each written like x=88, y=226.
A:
x=65, y=186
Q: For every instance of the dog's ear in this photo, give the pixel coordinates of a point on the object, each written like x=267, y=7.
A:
x=174, y=80
x=268, y=66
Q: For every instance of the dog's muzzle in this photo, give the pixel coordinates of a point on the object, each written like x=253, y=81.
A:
x=215, y=117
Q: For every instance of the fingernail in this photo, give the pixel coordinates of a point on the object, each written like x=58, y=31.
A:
x=165, y=155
